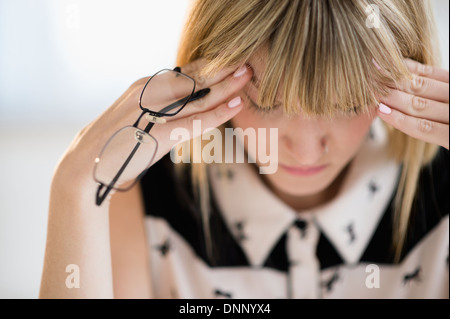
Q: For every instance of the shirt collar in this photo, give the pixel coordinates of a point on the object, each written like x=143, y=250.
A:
x=257, y=218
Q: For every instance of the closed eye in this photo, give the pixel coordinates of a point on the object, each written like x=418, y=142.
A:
x=356, y=110
x=259, y=108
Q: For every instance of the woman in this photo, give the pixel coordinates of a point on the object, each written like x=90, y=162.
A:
x=357, y=206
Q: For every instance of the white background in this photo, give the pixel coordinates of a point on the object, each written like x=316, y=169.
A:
x=62, y=62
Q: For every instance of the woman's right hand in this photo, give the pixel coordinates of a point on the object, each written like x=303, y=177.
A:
x=78, y=232
x=217, y=107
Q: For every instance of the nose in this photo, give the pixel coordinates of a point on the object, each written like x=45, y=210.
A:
x=305, y=142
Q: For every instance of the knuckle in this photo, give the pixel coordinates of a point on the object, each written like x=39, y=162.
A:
x=418, y=84
x=199, y=104
x=424, y=69
x=191, y=69
x=418, y=104
x=199, y=80
x=424, y=126
x=187, y=69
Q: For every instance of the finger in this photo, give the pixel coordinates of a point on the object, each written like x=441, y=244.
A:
x=218, y=94
x=426, y=88
x=175, y=132
x=428, y=71
x=421, y=129
x=194, y=69
x=417, y=106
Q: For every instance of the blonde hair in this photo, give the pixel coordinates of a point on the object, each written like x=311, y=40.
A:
x=324, y=52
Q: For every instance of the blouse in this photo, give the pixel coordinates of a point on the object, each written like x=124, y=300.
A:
x=263, y=248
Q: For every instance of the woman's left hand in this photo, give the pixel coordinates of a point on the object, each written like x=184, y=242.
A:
x=420, y=107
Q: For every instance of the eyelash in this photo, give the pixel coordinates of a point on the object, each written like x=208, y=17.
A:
x=356, y=110
x=352, y=112
x=255, y=107
x=258, y=108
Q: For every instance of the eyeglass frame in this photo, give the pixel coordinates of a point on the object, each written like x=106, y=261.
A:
x=156, y=117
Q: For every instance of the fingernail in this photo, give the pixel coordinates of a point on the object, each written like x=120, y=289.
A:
x=234, y=102
x=384, y=109
x=240, y=72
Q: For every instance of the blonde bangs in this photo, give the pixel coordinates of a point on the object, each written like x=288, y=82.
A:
x=321, y=63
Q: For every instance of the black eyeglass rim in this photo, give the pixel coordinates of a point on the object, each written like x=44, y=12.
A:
x=192, y=97
x=161, y=114
x=138, y=177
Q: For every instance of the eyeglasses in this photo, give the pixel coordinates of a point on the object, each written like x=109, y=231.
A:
x=129, y=152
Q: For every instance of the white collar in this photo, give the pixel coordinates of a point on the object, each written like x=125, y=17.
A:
x=251, y=210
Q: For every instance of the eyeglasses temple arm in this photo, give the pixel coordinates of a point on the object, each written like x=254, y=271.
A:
x=197, y=95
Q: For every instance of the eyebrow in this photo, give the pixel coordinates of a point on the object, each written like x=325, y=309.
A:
x=255, y=81
x=277, y=103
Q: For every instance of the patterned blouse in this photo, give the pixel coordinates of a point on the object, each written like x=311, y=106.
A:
x=262, y=248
